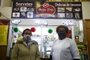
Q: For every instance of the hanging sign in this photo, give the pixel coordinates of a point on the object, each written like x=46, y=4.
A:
x=60, y=10
x=47, y=10
x=23, y=9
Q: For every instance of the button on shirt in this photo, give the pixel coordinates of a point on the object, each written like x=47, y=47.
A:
x=65, y=50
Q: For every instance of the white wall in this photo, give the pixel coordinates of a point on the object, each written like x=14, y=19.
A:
x=86, y=10
x=6, y=3
x=6, y=12
x=5, y=9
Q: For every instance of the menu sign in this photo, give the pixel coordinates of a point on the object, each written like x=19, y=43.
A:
x=68, y=10
x=48, y=10
x=23, y=9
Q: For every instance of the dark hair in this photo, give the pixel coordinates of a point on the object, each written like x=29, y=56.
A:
x=62, y=26
x=25, y=31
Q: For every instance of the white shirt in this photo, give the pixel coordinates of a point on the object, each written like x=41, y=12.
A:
x=65, y=49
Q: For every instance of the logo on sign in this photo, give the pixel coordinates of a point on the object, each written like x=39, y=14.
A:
x=46, y=10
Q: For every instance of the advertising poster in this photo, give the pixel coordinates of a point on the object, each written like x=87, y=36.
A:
x=60, y=10
x=23, y=9
x=3, y=34
x=47, y=10
x=4, y=25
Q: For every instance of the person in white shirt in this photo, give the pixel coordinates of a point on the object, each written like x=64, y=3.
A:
x=64, y=48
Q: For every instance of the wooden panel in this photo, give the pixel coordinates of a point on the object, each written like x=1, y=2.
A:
x=86, y=24
x=88, y=40
x=3, y=50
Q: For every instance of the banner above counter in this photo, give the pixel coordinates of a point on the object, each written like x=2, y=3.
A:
x=46, y=10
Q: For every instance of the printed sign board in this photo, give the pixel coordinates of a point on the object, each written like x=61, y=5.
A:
x=47, y=10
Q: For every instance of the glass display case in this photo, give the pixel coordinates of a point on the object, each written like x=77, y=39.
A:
x=45, y=33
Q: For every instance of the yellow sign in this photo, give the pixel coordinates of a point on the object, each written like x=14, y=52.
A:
x=3, y=34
